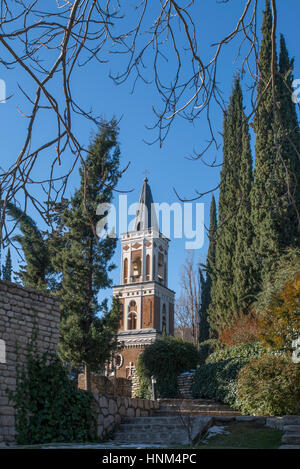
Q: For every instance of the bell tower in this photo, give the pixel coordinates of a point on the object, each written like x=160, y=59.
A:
x=147, y=302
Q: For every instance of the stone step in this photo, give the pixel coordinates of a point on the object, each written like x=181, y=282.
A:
x=211, y=413
x=154, y=420
x=166, y=431
x=291, y=438
x=193, y=408
x=130, y=427
x=166, y=438
x=289, y=447
x=187, y=401
x=291, y=428
x=291, y=420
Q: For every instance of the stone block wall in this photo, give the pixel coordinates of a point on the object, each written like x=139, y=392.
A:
x=109, y=412
x=22, y=310
x=107, y=386
x=135, y=384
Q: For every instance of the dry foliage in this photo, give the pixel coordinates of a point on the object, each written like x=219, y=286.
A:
x=243, y=331
x=280, y=322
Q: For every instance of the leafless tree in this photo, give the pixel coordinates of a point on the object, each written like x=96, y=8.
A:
x=49, y=40
x=187, y=307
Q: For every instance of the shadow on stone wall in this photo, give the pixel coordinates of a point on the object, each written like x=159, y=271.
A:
x=103, y=385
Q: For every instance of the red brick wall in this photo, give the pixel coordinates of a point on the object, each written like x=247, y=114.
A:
x=147, y=314
x=130, y=354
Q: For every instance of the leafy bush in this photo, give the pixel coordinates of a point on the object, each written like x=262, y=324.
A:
x=247, y=351
x=269, y=385
x=219, y=380
x=48, y=405
x=165, y=359
x=208, y=347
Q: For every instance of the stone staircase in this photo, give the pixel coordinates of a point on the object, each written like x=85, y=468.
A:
x=163, y=431
x=176, y=422
x=193, y=407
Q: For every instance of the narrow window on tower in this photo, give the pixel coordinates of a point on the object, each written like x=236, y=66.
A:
x=132, y=321
x=122, y=314
x=147, y=267
x=132, y=316
x=125, y=273
x=160, y=267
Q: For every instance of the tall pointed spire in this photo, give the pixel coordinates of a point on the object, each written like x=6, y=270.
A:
x=146, y=216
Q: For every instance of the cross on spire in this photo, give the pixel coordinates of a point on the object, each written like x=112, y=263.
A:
x=145, y=172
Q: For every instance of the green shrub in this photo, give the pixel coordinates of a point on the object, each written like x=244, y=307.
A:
x=218, y=380
x=208, y=347
x=249, y=351
x=165, y=359
x=269, y=385
x=48, y=405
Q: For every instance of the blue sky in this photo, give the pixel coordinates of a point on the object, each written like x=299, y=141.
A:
x=168, y=166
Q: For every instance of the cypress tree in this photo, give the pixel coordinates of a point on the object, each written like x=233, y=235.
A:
x=207, y=282
x=35, y=272
x=243, y=277
x=234, y=231
x=289, y=141
x=273, y=212
x=85, y=260
x=7, y=268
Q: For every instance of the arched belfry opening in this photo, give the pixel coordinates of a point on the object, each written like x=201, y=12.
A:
x=147, y=267
x=132, y=316
x=125, y=270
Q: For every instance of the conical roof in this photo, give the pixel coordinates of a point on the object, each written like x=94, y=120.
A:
x=146, y=216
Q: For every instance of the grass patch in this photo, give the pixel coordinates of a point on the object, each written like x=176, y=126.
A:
x=244, y=436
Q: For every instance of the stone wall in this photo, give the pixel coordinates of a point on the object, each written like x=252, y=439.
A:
x=22, y=310
x=107, y=386
x=135, y=384
x=109, y=412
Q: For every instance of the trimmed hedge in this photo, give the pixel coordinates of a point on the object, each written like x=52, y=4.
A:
x=269, y=385
x=219, y=381
x=165, y=359
x=249, y=351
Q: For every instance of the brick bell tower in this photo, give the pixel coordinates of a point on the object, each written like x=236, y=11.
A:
x=146, y=301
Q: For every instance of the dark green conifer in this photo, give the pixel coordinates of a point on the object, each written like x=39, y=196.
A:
x=35, y=272
x=207, y=282
x=85, y=260
x=275, y=194
x=7, y=268
x=234, y=229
